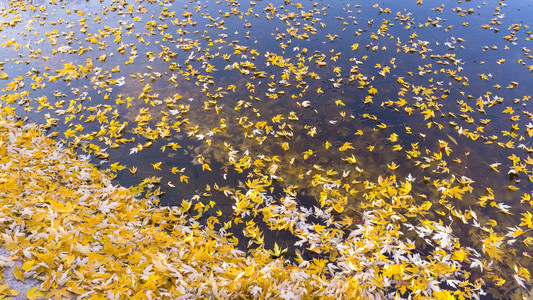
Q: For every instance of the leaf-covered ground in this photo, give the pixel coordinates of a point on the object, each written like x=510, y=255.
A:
x=81, y=235
x=308, y=149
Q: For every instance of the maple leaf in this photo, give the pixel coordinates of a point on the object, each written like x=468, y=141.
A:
x=115, y=167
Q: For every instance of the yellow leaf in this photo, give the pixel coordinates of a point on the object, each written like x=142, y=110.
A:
x=133, y=170
x=527, y=220
x=443, y=295
x=184, y=178
x=338, y=208
x=350, y=159
x=76, y=289
x=117, y=167
x=492, y=223
x=61, y=293
x=34, y=293
x=339, y=102
x=277, y=252
x=61, y=207
x=346, y=146
x=459, y=255
x=18, y=274
x=393, y=270
x=185, y=205
x=393, y=166
x=233, y=241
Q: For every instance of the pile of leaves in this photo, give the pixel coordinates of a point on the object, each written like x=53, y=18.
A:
x=81, y=235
